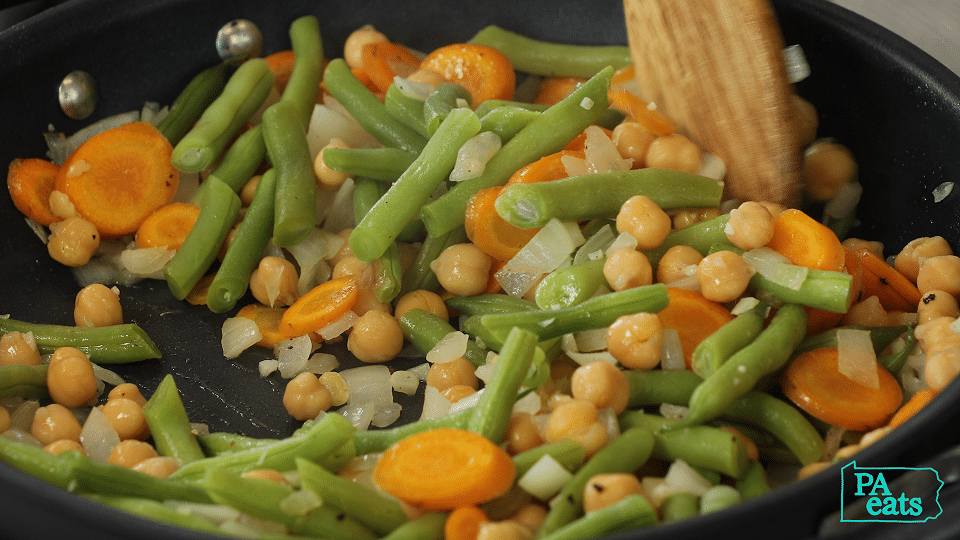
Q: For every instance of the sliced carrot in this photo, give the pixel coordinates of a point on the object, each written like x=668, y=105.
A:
x=821, y=320
x=119, y=177
x=463, y=523
x=693, y=316
x=814, y=383
x=490, y=232
x=553, y=89
x=384, y=60
x=198, y=294
x=493, y=285
x=649, y=117
x=545, y=169
x=267, y=320
x=319, y=307
x=806, y=241
x=30, y=182
x=579, y=143
x=281, y=64
x=913, y=405
x=624, y=76
x=894, y=290
x=444, y=469
x=168, y=225
x=484, y=71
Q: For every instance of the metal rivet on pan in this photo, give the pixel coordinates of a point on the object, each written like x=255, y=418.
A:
x=78, y=94
x=239, y=40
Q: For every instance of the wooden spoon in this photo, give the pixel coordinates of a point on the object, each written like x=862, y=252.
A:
x=716, y=68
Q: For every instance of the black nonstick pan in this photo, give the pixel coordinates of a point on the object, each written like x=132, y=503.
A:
x=894, y=106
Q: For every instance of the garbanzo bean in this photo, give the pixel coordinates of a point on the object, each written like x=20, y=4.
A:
x=128, y=391
x=907, y=262
x=805, y=115
x=723, y=276
x=463, y=269
x=937, y=304
x=676, y=152
x=267, y=474
x=159, y=467
x=750, y=226
x=457, y=392
x=644, y=220
x=426, y=300
x=626, y=268
x=126, y=417
x=305, y=397
x=339, y=391
x=329, y=179
x=686, y=217
x=677, y=263
x=249, y=189
x=503, y=530
x=129, y=453
x=941, y=368
x=97, y=305
x=632, y=141
x=522, y=433
x=73, y=241
x=577, y=420
x=867, y=312
x=530, y=515
x=64, y=445
x=376, y=337
x=605, y=489
x=19, y=348
x=939, y=273
x=70, y=377
x=55, y=422
x=353, y=46
x=274, y=282
x=826, y=166
x=602, y=384
x=349, y=266
x=636, y=340
x=443, y=375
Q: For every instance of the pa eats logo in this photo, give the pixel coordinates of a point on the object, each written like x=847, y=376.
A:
x=869, y=496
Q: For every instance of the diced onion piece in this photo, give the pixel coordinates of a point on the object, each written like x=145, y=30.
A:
x=449, y=348
x=417, y=90
x=545, y=478
x=744, y=305
x=673, y=412
x=573, y=165
x=420, y=371
x=776, y=268
x=300, y=503
x=434, y=404
x=311, y=255
x=405, y=382
x=942, y=191
x=845, y=202
x=22, y=417
x=623, y=241
x=321, y=363
x=598, y=241
x=545, y=252
x=360, y=414
x=107, y=376
x=601, y=154
x=857, y=359
x=338, y=326
x=148, y=262
x=293, y=354
x=712, y=167
x=237, y=335
x=671, y=351
x=60, y=148
x=484, y=372
x=795, y=60
x=215, y=513
x=609, y=420
x=340, y=214
x=685, y=478
x=657, y=489
x=529, y=403
x=584, y=358
x=473, y=156
x=591, y=340
x=466, y=402
x=266, y=367
x=386, y=415
x=368, y=384
x=98, y=437
x=330, y=121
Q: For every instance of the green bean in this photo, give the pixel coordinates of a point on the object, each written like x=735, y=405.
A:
x=169, y=424
x=246, y=248
x=505, y=122
x=546, y=134
x=552, y=59
x=389, y=273
x=717, y=498
x=596, y=312
x=880, y=336
x=679, y=506
x=590, y=196
x=626, y=453
x=568, y=453
x=239, y=162
x=18, y=378
x=217, y=215
x=444, y=98
x=894, y=362
x=406, y=109
x=95, y=477
x=36, y=462
x=156, y=510
x=380, y=513
x=700, y=236
x=753, y=482
x=629, y=513
x=506, y=505
x=419, y=275
x=369, y=110
x=401, y=203
x=700, y=446
x=199, y=93
x=295, y=215
x=653, y=387
x=822, y=289
x=326, y=436
x=117, y=344
x=488, y=303
x=780, y=419
x=766, y=354
x=304, y=84
x=424, y=330
x=492, y=412
x=372, y=441
x=718, y=347
x=385, y=164
x=571, y=285
x=428, y=526
x=243, y=94
x=220, y=442
x=608, y=118
x=263, y=499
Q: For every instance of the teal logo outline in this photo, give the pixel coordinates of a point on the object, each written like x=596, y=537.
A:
x=881, y=469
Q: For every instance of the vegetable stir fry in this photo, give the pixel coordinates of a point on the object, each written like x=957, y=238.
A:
x=609, y=343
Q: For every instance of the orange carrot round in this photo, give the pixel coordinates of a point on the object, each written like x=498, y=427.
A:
x=814, y=383
x=490, y=232
x=894, y=290
x=694, y=317
x=30, y=182
x=553, y=89
x=650, y=118
x=267, y=320
x=281, y=64
x=119, y=177
x=168, y=225
x=319, y=307
x=806, y=241
x=484, y=71
x=384, y=60
x=463, y=523
x=443, y=469
x=913, y=405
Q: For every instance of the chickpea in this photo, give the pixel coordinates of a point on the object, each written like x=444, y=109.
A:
x=53, y=423
x=602, y=384
x=126, y=417
x=339, y=391
x=351, y=266
x=627, y=268
x=827, y=166
x=4, y=419
x=530, y=515
x=97, y=305
x=576, y=420
x=805, y=115
x=867, y=312
x=457, y=392
x=942, y=367
x=73, y=241
x=128, y=453
x=428, y=77
x=674, y=151
x=723, y=276
x=19, y=348
x=376, y=337
x=522, y=433
x=127, y=391
x=853, y=244
x=677, y=263
x=463, y=269
x=70, y=377
x=937, y=304
x=329, y=179
x=249, y=189
x=644, y=220
x=64, y=445
x=750, y=226
x=305, y=397
x=344, y=250
x=159, y=467
x=271, y=475
x=426, y=300
x=443, y=375
x=940, y=273
x=503, y=530
x=774, y=208
x=907, y=262
x=605, y=489
x=353, y=46
x=274, y=282
x=636, y=340
x=936, y=334
x=632, y=141
x=690, y=216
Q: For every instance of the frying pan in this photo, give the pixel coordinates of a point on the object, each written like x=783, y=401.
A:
x=894, y=106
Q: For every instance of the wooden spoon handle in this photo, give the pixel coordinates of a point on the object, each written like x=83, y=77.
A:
x=716, y=68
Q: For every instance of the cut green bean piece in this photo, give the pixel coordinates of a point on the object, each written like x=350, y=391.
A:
x=717, y=498
x=590, y=196
x=570, y=454
x=609, y=118
x=571, y=285
x=18, y=379
x=700, y=236
x=220, y=442
x=384, y=164
x=552, y=59
x=169, y=425
x=429, y=526
x=239, y=163
x=629, y=513
x=406, y=109
x=679, y=506
x=424, y=330
x=880, y=336
x=388, y=270
x=371, y=441
x=303, y=87
x=444, y=98
x=156, y=510
x=822, y=289
x=719, y=346
x=894, y=362
x=117, y=344
x=654, y=387
x=753, y=482
x=36, y=462
x=505, y=122
x=492, y=412
x=782, y=420
x=94, y=477
x=483, y=304
x=199, y=93
x=295, y=215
